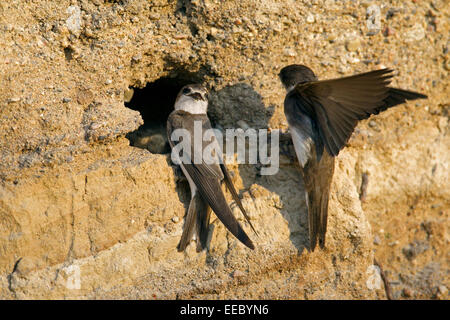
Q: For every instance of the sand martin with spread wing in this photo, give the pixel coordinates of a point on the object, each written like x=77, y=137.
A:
x=204, y=179
x=322, y=116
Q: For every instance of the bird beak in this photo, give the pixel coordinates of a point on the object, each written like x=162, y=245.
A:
x=196, y=96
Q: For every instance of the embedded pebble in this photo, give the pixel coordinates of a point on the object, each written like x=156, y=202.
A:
x=407, y=293
x=213, y=31
x=416, y=33
x=136, y=58
x=237, y=274
x=443, y=290
x=154, y=16
x=14, y=99
x=353, y=44
x=332, y=37
x=290, y=52
x=73, y=23
x=180, y=36
x=376, y=240
x=388, y=32
x=128, y=95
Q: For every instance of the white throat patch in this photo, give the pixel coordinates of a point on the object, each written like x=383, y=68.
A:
x=191, y=105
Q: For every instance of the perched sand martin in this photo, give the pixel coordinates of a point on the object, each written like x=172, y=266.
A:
x=322, y=116
x=204, y=179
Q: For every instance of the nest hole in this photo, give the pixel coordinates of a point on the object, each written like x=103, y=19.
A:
x=155, y=102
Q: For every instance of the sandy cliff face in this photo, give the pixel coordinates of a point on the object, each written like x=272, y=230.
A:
x=84, y=214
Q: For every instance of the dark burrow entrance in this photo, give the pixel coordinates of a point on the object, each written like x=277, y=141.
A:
x=155, y=103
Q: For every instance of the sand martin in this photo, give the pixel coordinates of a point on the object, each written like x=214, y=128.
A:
x=322, y=116
x=204, y=179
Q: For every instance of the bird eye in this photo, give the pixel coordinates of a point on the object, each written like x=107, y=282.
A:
x=186, y=90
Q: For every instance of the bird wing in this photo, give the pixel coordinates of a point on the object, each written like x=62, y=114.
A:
x=207, y=178
x=211, y=191
x=338, y=104
x=234, y=194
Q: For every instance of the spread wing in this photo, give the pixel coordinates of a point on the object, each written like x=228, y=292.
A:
x=338, y=104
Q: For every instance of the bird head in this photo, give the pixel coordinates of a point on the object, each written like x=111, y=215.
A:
x=294, y=74
x=192, y=98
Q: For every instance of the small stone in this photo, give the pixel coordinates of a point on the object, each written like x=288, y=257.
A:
x=73, y=23
x=443, y=290
x=128, y=95
x=175, y=219
x=66, y=100
x=237, y=274
x=376, y=240
x=88, y=33
x=343, y=69
x=237, y=30
x=407, y=293
x=180, y=36
x=352, y=58
x=136, y=58
x=416, y=33
x=290, y=52
x=388, y=32
x=108, y=81
x=14, y=99
x=213, y=31
x=353, y=44
x=154, y=16
x=373, y=32
x=95, y=126
x=277, y=28
x=310, y=18
x=84, y=96
x=332, y=37
x=372, y=124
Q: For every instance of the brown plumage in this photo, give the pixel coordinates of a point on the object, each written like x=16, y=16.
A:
x=204, y=179
x=322, y=115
